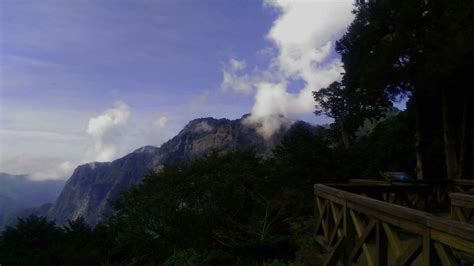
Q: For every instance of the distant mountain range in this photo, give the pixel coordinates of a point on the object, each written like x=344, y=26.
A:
x=18, y=192
x=92, y=186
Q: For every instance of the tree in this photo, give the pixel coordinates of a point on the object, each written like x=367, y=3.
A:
x=419, y=48
x=34, y=241
x=333, y=103
x=217, y=201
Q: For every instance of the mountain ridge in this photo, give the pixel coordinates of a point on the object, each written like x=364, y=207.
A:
x=92, y=186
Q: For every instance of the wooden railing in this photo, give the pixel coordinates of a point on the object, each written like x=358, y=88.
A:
x=356, y=229
x=416, y=196
x=462, y=207
x=426, y=195
x=462, y=185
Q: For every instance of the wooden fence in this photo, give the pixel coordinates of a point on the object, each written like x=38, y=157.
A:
x=462, y=207
x=358, y=230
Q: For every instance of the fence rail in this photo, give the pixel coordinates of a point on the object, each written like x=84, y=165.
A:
x=357, y=229
x=462, y=207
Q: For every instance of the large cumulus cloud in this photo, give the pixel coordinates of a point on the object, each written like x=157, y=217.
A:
x=303, y=34
x=102, y=130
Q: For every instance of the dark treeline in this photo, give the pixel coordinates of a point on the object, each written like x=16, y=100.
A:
x=239, y=208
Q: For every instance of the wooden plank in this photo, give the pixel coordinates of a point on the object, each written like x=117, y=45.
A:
x=464, y=182
x=458, y=214
x=462, y=203
x=337, y=214
x=350, y=235
x=368, y=181
x=325, y=225
x=381, y=247
x=393, y=240
x=322, y=209
x=445, y=255
x=320, y=241
x=464, y=200
x=376, y=205
x=411, y=252
x=433, y=231
x=452, y=227
x=384, y=188
x=407, y=225
x=411, y=219
x=462, y=196
x=426, y=258
x=355, y=253
x=336, y=230
x=453, y=241
x=330, y=197
x=359, y=228
x=336, y=254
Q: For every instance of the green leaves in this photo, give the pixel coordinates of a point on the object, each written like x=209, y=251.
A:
x=219, y=200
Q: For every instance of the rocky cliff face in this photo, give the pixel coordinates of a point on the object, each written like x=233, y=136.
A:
x=92, y=185
x=88, y=191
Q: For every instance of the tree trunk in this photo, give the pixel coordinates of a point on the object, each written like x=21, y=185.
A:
x=418, y=137
x=449, y=137
x=464, y=139
x=344, y=135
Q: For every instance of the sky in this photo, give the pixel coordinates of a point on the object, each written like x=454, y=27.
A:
x=84, y=81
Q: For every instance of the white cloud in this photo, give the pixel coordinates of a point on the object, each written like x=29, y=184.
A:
x=37, y=168
x=37, y=134
x=303, y=34
x=234, y=80
x=38, y=142
x=197, y=104
x=50, y=144
x=237, y=65
x=203, y=127
x=159, y=130
x=266, y=52
x=63, y=170
x=101, y=130
x=160, y=122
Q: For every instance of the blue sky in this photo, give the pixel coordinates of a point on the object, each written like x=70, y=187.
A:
x=62, y=53
x=92, y=80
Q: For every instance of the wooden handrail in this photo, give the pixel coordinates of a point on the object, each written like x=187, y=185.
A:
x=349, y=224
x=462, y=207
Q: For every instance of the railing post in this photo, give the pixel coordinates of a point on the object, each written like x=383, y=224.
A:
x=325, y=224
x=349, y=234
x=426, y=252
x=317, y=214
x=381, y=245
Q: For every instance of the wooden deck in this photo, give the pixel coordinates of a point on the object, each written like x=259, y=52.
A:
x=382, y=223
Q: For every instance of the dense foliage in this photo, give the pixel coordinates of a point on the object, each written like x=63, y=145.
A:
x=37, y=241
x=416, y=49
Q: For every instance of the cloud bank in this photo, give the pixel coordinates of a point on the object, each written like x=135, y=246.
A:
x=82, y=138
x=304, y=34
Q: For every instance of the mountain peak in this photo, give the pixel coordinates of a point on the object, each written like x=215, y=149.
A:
x=92, y=186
